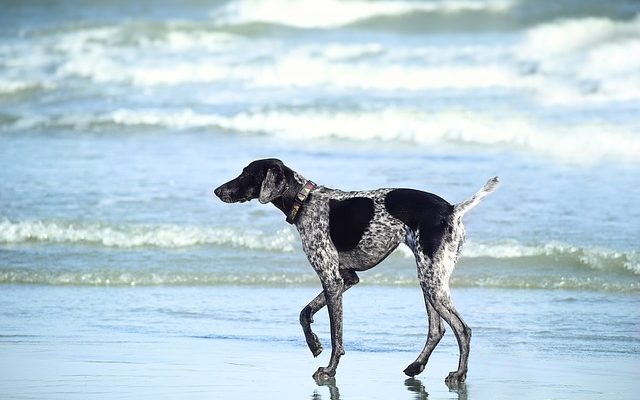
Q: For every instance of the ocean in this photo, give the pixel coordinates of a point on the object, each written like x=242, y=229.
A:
x=118, y=119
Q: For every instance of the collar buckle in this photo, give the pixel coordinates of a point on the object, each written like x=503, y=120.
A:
x=299, y=200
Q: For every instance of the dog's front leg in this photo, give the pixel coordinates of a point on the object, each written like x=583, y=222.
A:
x=333, y=289
x=306, y=319
x=306, y=315
x=325, y=261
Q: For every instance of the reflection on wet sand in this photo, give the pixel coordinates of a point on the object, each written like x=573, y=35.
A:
x=334, y=392
x=414, y=386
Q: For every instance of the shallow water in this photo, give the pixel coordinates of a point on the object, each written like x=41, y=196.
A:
x=84, y=210
x=203, y=341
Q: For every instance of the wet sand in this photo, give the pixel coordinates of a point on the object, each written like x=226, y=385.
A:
x=196, y=368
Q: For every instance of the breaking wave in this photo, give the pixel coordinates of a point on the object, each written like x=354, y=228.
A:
x=335, y=13
x=132, y=277
x=498, y=264
x=465, y=276
x=131, y=236
x=565, y=61
x=580, y=142
x=585, y=59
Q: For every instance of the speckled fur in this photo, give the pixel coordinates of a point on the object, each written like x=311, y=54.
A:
x=337, y=270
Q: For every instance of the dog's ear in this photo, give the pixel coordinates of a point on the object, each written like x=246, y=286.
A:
x=273, y=184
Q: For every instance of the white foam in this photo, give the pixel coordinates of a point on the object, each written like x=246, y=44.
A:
x=305, y=66
x=579, y=67
x=582, y=143
x=175, y=236
x=197, y=40
x=296, y=69
x=334, y=13
x=598, y=258
x=572, y=61
x=569, y=35
x=584, y=60
x=585, y=142
x=137, y=277
x=12, y=86
x=179, y=120
x=111, y=54
x=127, y=236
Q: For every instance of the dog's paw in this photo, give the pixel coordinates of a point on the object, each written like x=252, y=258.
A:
x=455, y=377
x=414, y=369
x=324, y=374
x=314, y=345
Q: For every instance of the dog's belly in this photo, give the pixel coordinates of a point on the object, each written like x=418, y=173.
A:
x=371, y=250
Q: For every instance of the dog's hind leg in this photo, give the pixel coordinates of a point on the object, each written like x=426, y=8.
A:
x=434, y=271
x=436, y=282
x=436, y=332
x=306, y=315
x=442, y=303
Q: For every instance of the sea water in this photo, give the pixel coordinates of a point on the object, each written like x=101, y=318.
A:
x=118, y=119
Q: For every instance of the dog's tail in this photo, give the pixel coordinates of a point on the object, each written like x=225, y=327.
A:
x=461, y=208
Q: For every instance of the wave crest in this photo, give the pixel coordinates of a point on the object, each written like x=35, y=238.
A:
x=174, y=236
x=129, y=277
x=586, y=59
x=589, y=141
x=463, y=277
x=553, y=253
x=598, y=258
x=335, y=13
x=128, y=236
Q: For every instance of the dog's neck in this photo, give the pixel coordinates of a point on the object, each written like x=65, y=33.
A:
x=295, y=182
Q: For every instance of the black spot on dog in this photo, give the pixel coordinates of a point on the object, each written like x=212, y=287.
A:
x=348, y=219
x=424, y=212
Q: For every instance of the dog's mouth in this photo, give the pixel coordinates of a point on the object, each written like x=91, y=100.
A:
x=228, y=199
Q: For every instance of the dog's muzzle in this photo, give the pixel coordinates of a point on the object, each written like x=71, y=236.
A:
x=226, y=195
x=223, y=195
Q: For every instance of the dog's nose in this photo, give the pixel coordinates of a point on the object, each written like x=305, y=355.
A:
x=218, y=191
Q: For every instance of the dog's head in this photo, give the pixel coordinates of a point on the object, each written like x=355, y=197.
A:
x=262, y=179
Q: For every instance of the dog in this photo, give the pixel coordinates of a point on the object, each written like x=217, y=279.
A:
x=343, y=233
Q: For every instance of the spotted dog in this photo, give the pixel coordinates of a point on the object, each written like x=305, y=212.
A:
x=343, y=233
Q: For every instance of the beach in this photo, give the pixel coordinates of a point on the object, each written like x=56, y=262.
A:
x=203, y=343
x=122, y=275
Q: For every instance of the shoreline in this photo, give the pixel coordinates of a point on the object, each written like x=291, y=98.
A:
x=228, y=368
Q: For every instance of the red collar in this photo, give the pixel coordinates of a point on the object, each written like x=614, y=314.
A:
x=299, y=200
